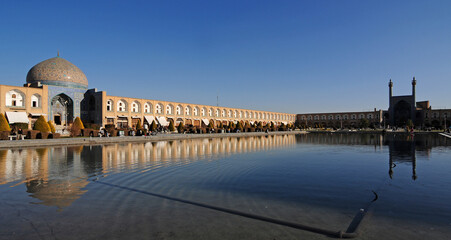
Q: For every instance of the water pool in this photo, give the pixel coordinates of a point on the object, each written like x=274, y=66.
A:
x=320, y=180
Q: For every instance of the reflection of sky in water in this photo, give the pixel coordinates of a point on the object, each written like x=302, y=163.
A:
x=283, y=174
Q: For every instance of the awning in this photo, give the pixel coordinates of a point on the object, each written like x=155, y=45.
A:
x=251, y=122
x=205, y=121
x=136, y=117
x=284, y=123
x=163, y=122
x=110, y=117
x=38, y=114
x=17, y=117
x=149, y=119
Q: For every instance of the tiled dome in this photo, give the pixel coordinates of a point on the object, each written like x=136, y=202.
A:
x=59, y=72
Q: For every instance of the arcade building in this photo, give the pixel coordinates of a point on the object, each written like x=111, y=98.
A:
x=402, y=111
x=58, y=90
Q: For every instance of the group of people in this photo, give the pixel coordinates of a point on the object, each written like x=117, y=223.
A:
x=17, y=132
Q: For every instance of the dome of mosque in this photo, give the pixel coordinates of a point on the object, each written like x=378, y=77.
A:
x=57, y=71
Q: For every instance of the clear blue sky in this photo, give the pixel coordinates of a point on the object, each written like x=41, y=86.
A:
x=288, y=56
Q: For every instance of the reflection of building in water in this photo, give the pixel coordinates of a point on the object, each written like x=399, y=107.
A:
x=57, y=176
x=340, y=139
x=52, y=175
x=134, y=155
x=401, y=151
x=403, y=147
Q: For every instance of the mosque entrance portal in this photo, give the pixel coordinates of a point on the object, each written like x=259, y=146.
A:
x=62, y=109
x=402, y=113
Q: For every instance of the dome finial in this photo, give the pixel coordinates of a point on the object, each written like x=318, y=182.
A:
x=58, y=53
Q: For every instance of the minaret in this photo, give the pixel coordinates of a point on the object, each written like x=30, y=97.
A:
x=390, y=107
x=390, y=86
x=414, y=101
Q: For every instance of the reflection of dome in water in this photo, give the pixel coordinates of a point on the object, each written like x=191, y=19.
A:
x=57, y=71
x=58, y=192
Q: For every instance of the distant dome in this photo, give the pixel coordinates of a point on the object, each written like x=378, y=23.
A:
x=59, y=72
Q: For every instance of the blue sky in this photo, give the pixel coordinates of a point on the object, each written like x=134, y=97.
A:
x=287, y=56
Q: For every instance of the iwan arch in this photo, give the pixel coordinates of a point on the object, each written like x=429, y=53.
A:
x=59, y=90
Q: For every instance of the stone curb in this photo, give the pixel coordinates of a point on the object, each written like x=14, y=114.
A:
x=107, y=140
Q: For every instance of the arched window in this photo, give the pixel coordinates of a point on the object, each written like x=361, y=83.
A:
x=310, y=117
x=246, y=114
x=369, y=116
x=15, y=98
x=230, y=113
x=109, y=105
x=159, y=108
x=121, y=106
x=250, y=115
x=210, y=112
x=345, y=117
x=196, y=111
x=235, y=113
x=331, y=117
x=217, y=113
x=35, y=100
x=203, y=112
x=323, y=117
x=169, y=109
x=224, y=113
x=361, y=116
x=337, y=117
x=259, y=116
x=187, y=110
x=148, y=107
x=135, y=107
x=241, y=114
x=316, y=117
x=178, y=110
x=353, y=116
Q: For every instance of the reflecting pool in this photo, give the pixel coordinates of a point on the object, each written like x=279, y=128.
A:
x=131, y=191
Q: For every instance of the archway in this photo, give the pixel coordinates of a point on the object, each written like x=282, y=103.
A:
x=62, y=109
x=402, y=113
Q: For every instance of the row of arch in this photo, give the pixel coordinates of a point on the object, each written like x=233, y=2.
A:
x=369, y=116
x=169, y=109
x=438, y=115
x=16, y=98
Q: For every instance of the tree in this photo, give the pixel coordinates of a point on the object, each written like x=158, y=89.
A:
x=138, y=125
x=78, y=124
x=153, y=126
x=181, y=128
x=171, y=126
x=364, y=123
x=41, y=125
x=221, y=126
x=4, y=125
x=210, y=125
x=239, y=126
x=409, y=124
x=52, y=127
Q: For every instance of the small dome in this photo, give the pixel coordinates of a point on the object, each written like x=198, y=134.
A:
x=59, y=72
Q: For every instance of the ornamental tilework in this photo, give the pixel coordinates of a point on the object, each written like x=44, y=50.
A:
x=57, y=71
x=76, y=96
